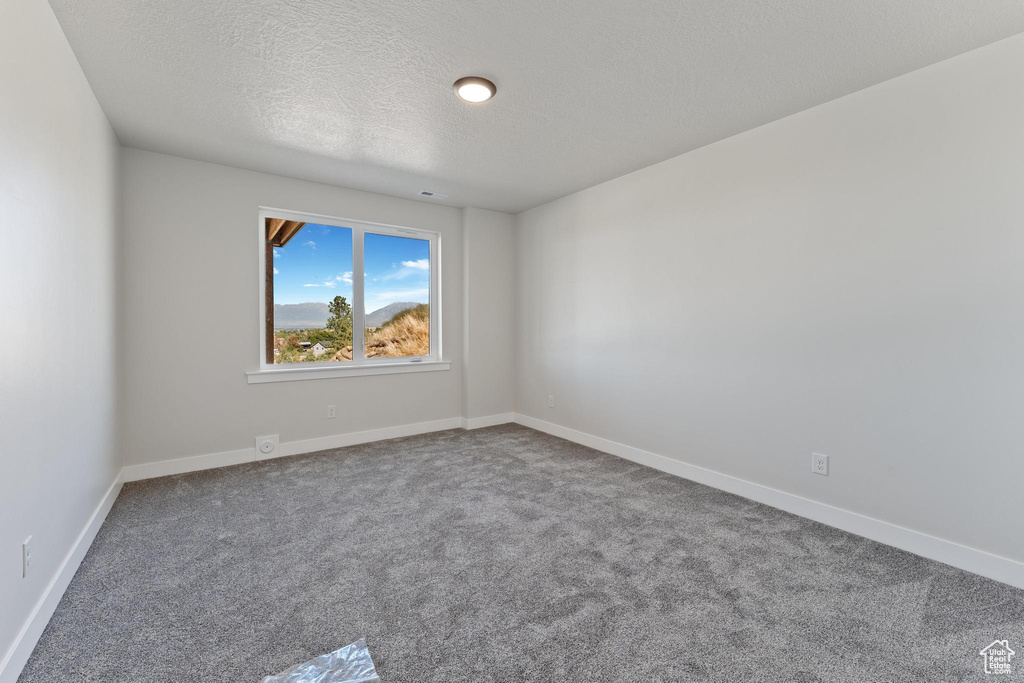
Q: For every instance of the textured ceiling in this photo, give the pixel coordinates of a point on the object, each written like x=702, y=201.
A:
x=359, y=93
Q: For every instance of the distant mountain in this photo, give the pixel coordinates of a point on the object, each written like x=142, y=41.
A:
x=299, y=316
x=315, y=314
x=382, y=315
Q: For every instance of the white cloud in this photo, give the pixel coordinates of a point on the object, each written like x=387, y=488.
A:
x=398, y=294
x=345, y=277
x=310, y=244
x=277, y=253
x=375, y=300
x=409, y=268
x=276, y=271
x=329, y=283
x=310, y=285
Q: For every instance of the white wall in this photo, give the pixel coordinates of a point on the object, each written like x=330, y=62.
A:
x=58, y=200
x=192, y=323
x=488, y=349
x=848, y=280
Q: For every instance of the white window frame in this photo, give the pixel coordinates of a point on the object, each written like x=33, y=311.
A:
x=359, y=365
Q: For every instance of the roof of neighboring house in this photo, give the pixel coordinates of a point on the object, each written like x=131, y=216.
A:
x=320, y=343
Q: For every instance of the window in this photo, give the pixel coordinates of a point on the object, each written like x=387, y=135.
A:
x=346, y=296
x=396, y=295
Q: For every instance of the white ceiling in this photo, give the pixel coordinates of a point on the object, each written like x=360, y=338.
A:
x=359, y=93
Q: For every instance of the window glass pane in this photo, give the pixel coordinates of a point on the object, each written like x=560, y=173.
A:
x=312, y=292
x=396, y=296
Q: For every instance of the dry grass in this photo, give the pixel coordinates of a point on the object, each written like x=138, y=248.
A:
x=407, y=334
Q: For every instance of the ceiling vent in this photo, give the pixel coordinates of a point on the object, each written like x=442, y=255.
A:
x=433, y=195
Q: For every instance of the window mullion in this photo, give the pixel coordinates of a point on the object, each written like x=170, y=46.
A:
x=358, y=312
x=435, y=302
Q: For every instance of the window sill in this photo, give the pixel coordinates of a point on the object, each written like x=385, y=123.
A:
x=295, y=374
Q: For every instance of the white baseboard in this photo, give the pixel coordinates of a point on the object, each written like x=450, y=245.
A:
x=962, y=557
x=19, y=652
x=487, y=420
x=354, y=438
x=193, y=463
x=196, y=463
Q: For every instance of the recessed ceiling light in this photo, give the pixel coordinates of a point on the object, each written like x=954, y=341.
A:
x=474, y=89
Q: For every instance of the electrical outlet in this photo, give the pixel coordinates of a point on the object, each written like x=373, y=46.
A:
x=551, y=400
x=819, y=464
x=26, y=557
x=265, y=446
x=331, y=412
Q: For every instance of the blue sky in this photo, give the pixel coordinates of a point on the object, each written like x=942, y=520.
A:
x=316, y=265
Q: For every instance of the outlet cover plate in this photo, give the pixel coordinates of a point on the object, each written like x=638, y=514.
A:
x=266, y=446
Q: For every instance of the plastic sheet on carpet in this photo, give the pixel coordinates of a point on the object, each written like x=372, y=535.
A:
x=350, y=664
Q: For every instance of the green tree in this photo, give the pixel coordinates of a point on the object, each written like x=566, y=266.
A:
x=340, y=322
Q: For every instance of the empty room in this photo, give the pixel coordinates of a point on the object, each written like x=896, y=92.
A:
x=605, y=341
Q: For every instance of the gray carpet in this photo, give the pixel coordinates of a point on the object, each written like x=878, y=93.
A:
x=502, y=554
